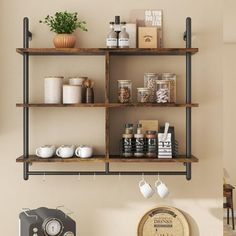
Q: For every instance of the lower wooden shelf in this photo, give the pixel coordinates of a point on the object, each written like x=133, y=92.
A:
x=111, y=159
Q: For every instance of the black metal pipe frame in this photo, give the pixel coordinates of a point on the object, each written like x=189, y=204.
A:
x=105, y=173
x=188, y=38
x=26, y=37
x=187, y=173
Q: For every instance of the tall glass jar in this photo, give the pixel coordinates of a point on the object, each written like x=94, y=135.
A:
x=124, y=91
x=172, y=77
x=143, y=95
x=150, y=82
x=163, y=91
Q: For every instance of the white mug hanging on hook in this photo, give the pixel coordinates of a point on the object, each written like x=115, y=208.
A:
x=145, y=188
x=161, y=188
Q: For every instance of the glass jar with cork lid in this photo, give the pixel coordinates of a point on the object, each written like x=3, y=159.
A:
x=124, y=91
x=150, y=83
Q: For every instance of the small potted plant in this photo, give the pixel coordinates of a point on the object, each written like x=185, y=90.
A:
x=64, y=24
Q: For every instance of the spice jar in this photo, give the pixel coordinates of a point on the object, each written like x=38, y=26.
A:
x=127, y=145
x=151, y=136
x=129, y=129
x=124, y=91
x=172, y=78
x=163, y=91
x=139, y=142
x=150, y=82
x=143, y=95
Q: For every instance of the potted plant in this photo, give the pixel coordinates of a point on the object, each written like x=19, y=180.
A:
x=64, y=24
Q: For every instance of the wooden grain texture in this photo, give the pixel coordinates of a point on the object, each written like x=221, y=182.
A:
x=107, y=99
x=109, y=105
x=182, y=159
x=104, y=51
x=110, y=159
x=34, y=158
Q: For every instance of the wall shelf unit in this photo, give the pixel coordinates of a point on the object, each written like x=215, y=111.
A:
x=187, y=159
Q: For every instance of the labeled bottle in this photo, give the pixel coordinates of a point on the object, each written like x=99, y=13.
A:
x=151, y=136
x=111, y=41
x=139, y=142
x=123, y=37
x=127, y=141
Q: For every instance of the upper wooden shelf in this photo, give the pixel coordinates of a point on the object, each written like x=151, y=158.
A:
x=111, y=159
x=103, y=51
x=111, y=105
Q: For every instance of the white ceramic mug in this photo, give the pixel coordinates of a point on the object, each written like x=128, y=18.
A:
x=65, y=151
x=45, y=151
x=145, y=189
x=72, y=94
x=162, y=189
x=84, y=151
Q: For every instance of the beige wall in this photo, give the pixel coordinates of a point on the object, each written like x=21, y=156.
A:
x=109, y=206
x=229, y=83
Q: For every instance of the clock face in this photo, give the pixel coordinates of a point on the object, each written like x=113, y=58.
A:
x=53, y=227
x=163, y=221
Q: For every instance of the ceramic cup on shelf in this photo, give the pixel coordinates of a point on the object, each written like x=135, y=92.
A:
x=53, y=89
x=146, y=189
x=45, y=151
x=84, y=151
x=65, y=151
x=72, y=94
x=161, y=189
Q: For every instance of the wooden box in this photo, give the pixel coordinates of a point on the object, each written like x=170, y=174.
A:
x=147, y=37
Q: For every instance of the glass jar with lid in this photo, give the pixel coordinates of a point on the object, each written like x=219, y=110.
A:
x=124, y=91
x=151, y=136
x=143, y=95
x=172, y=77
x=163, y=91
x=150, y=82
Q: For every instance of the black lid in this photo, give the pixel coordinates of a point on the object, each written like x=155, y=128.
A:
x=139, y=126
x=151, y=132
x=117, y=20
x=128, y=125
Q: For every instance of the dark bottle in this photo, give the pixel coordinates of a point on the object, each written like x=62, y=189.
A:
x=117, y=28
x=151, y=143
x=127, y=141
x=139, y=142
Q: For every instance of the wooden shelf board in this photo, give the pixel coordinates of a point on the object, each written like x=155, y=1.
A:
x=34, y=158
x=179, y=159
x=103, y=51
x=112, y=159
x=109, y=105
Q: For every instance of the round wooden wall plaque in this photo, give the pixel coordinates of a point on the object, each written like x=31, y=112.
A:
x=163, y=221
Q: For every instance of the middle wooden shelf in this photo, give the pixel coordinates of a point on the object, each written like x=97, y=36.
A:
x=109, y=105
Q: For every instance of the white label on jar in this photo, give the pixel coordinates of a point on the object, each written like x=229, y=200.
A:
x=123, y=42
x=111, y=42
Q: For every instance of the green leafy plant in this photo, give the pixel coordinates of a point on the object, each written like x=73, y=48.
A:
x=64, y=22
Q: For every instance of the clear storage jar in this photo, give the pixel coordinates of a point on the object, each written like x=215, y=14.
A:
x=150, y=82
x=163, y=91
x=172, y=77
x=124, y=91
x=143, y=95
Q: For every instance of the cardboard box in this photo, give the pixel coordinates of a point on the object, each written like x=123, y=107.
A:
x=149, y=18
x=132, y=31
x=149, y=125
x=147, y=37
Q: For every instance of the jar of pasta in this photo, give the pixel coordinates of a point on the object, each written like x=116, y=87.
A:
x=172, y=77
x=150, y=83
x=163, y=91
